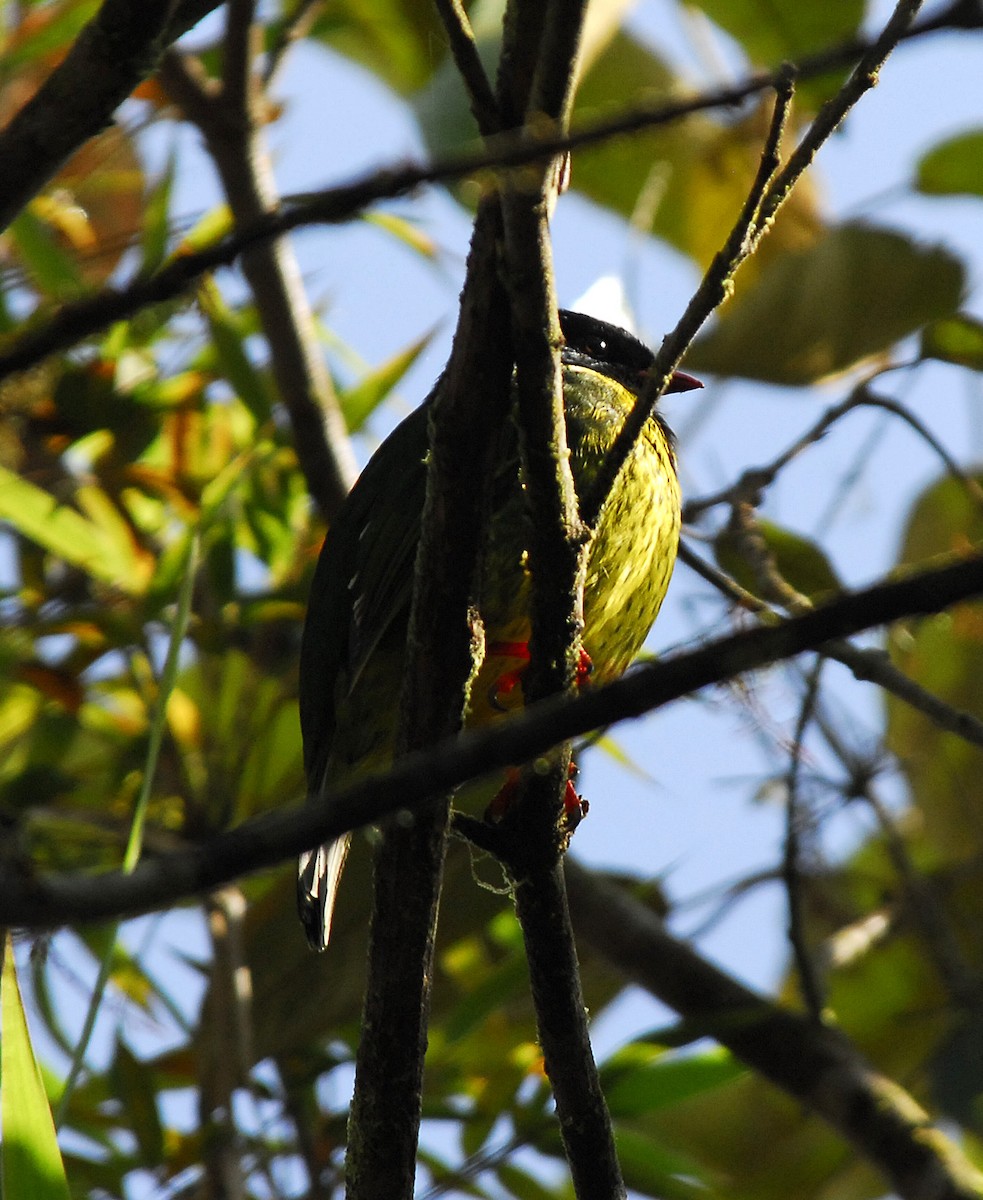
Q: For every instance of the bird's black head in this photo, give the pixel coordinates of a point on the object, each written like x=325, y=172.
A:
x=612, y=350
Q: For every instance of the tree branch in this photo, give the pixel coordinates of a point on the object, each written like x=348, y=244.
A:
x=471, y=403
x=73, y=322
x=119, y=47
x=43, y=902
x=814, y=1063
x=711, y=292
x=484, y=105
x=230, y=122
x=533, y=831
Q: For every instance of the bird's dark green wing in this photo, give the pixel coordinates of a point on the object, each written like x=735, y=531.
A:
x=363, y=581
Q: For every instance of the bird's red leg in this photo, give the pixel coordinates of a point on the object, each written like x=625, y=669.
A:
x=506, y=684
x=574, y=807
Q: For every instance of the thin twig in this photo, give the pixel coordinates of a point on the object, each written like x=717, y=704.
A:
x=484, y=106
x=711, y=292
x=294, y=25
x=827, y=120
x=869, y=400
x=926, y=914
x=792, y=874
x=866, y=665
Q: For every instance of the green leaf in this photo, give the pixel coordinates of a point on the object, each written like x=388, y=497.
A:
x=957, y=339
x=61, y=24
x=32, y=1164
x=52, y=269
x=953, y=167
x=943, y=654
x=66, y=533
x=799, y=561
x=773, y=30
x=157, y=217
x=523, y=1185
x=641, y=1079
x=652, y=1169
x=502, y=986
x=817, y=313
x=406, y=231
x=359, y=402
x=248, y=383
x=135, y=1086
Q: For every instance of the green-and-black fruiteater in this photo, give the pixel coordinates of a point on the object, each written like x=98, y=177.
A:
x=354, y=639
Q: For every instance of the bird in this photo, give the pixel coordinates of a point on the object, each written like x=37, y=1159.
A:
x=354, y=638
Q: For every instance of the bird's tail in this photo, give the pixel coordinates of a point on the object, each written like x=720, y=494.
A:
x=318, y=876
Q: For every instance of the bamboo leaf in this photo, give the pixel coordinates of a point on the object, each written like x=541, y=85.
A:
x=31, y=1160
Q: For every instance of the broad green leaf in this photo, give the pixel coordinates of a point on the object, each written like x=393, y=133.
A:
x=772, y=31
x=66, y=533
x=653, y=1169
x=943, y=654
x=953, y=167
x=640, y=1078
x=814, y=314
x=31, y=1160
x=507, y=983
x=957, y=339
x=799, y=561
x=524, y=1185
x=359, y=402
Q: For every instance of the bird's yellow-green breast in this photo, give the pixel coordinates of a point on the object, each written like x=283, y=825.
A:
x=354, y=638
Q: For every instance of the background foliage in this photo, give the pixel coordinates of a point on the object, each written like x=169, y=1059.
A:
x=167, y=438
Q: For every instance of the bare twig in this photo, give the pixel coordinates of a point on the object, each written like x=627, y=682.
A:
x=290, y=29
x=792, y=874
x=754, y=481
x=829, y=117
x=711, y=292
x=230, y=120
x=484, y=106
x=866, y=665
